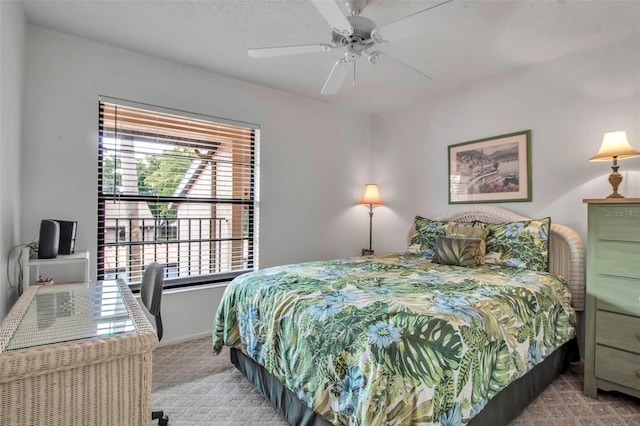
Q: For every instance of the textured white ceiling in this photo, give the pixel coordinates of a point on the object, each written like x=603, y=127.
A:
x=465, y=40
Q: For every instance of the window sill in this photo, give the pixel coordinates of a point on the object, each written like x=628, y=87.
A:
x=192, y=288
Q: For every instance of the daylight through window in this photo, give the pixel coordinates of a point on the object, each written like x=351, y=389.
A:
x=175, y=188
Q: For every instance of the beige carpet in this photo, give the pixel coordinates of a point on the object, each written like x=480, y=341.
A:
x=196, y=388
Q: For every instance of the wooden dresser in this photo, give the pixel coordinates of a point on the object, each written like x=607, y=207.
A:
x=612, y=344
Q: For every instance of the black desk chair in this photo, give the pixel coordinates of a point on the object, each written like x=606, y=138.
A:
x=151, y=296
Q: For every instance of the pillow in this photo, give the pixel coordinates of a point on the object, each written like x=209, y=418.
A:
x=468, y=230
x=457, y=250
x=523, y=244
x=424, y=234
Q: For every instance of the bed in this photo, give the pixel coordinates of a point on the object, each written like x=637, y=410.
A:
x=467, y=326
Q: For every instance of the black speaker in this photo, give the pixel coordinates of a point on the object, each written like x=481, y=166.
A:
x=67, y=244
x=49, y=239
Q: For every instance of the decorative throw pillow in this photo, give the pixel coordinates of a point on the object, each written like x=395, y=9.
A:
x=468, y=230
x=523, y=244
x=424, y=235
x=457, y=250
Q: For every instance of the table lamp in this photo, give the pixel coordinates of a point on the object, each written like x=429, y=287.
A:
x=372, y=198
x=615, y=146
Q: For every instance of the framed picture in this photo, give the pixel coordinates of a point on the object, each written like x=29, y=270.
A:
x=491, y=170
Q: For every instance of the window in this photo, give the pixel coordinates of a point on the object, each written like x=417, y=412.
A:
x=178, y=189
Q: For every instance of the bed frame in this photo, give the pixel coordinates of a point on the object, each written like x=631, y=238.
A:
x=566, y=259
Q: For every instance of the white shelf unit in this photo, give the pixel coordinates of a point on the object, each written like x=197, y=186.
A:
x=28, y=262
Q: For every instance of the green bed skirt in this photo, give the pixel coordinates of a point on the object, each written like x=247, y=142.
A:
x=500, y=410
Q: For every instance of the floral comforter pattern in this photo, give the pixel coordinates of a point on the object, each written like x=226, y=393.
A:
x=395, y=339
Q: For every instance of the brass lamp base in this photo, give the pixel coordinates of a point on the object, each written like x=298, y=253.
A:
x=615, y=179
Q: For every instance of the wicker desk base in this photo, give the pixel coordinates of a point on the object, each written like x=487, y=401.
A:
x=95, y=381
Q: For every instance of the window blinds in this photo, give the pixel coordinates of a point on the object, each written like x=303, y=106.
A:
x=174, y=188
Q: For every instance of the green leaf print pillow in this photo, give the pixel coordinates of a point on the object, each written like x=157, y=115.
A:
x=468, y=230
x=523, y=245
x=457, y=250
x=424, y=234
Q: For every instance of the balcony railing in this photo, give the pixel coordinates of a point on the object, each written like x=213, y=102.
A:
x=188, y=247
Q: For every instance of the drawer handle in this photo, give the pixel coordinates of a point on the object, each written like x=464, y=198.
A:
x=638, y=336
x=638, y=373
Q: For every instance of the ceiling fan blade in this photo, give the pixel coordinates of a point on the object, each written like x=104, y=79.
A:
x=373, y=58
x=405, y=27
x=267, y=52
x=336, y=77
x=330, y=10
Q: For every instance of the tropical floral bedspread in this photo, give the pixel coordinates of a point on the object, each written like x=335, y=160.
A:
x=395, y=339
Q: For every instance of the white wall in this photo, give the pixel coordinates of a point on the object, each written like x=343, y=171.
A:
x=12, y=35
x=313, y=157
x=568, y=104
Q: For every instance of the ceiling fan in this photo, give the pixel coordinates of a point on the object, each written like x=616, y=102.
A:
x=355, y=35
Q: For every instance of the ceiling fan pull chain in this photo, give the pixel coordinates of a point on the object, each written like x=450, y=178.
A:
x=354, y=73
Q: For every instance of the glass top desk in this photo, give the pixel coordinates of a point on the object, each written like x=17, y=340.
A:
x=59, y=313
x=76, y=354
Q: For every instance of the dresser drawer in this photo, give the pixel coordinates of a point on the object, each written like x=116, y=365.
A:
x=618, y=366
x=618, y=258
x=616, y=294
x=619, y=331
x=617, y=222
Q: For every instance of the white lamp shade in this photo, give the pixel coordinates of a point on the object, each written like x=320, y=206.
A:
x=615, y=146
x=371, y=196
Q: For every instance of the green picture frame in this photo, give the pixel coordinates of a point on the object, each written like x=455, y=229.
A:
x=491, y=170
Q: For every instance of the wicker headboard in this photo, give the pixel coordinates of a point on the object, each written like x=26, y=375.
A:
x=566, y=255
